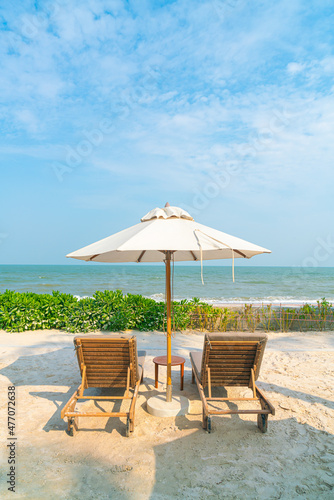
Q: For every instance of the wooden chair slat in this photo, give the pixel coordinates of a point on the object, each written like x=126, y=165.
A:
x=105, y=371
x=112, y=385
x=233, y=347
x=121, y=357
x=233, y=352
x=230, y=377
x=99, y=350
x=110, y=376
x=230, y=366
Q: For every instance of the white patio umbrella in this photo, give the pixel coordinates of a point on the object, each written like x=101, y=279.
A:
x=166, y=234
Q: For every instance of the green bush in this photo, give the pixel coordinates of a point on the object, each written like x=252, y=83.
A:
x=113, y=311
x=108, y=310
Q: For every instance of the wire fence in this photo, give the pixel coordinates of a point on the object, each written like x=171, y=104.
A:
x=265, y=317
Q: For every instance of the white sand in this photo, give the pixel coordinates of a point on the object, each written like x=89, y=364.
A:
x=173, y=457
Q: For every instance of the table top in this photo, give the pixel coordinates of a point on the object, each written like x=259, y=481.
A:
x=162, y=360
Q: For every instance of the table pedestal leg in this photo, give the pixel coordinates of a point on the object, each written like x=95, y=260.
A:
x=182, y=375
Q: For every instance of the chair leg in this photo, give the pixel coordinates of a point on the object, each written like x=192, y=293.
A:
x=192, y=377
x=204, y=420
x=72, y=425
x=262, y=422
x=127, y=429
x=262, y=418
x=132, y=420
x=132, y=425
x=209, y=425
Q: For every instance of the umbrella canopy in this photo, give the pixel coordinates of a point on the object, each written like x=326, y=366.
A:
x=166, y=234
x=167, y=229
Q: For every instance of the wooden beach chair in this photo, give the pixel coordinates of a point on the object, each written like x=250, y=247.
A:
x=230, y=359
x=106, y=361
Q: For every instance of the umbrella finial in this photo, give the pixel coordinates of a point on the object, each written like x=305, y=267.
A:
x=167, y=204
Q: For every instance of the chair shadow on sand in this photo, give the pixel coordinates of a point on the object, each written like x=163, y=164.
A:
x=308, y=398
x=60, y=368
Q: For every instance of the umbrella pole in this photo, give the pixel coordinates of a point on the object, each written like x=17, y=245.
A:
x=169, y=329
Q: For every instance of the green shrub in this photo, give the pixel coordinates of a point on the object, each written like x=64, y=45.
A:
x=113, y=311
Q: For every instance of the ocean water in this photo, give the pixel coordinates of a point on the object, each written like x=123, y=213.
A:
x=268, y=285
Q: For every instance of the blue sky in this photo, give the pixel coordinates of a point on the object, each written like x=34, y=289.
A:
x=111, y=108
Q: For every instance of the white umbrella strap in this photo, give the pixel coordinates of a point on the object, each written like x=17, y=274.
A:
x=232, y=265
x=202, y=266
x=201, y=251
x=218, y=241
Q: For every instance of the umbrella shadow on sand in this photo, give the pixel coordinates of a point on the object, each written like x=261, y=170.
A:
x=237, y=461
x=73, y=475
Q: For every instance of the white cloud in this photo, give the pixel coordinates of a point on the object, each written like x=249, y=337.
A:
x=295, y=68
x=28, y=120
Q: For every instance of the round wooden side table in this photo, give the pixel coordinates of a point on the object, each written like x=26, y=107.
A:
x=176, y=361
